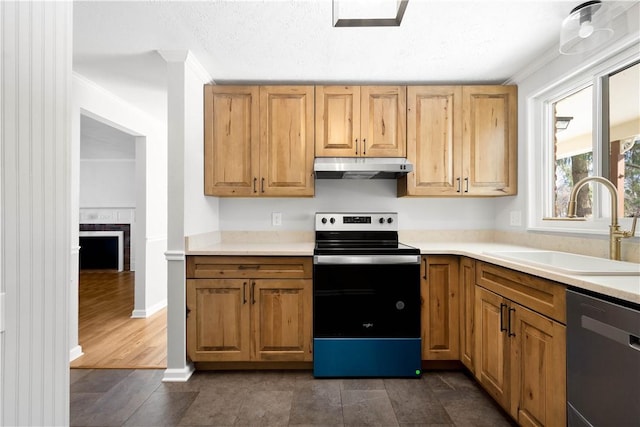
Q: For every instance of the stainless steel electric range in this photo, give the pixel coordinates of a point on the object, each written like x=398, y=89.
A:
x=366, y=298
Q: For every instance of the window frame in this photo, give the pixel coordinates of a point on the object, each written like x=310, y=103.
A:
x=540, y=159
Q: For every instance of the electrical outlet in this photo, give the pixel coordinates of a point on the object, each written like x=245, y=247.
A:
x=515, y=218
x=276, y=219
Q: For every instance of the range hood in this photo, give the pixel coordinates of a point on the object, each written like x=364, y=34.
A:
x=361, y=168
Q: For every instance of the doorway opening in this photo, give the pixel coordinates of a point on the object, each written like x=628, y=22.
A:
x=109, y=332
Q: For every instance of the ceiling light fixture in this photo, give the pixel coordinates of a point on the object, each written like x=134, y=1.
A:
x=563, y=122
x=368, y=13
x=586, y=28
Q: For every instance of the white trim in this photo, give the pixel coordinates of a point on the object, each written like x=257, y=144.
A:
x=75, y=250
x=103, y=92
x=159, y=238
x=178, y=375
x=174, y=255
x=188, y=58
x=150, y=311
x=118, y=234
x=75, y=352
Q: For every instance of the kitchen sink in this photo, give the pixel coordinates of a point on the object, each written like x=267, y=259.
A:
x=568, y=263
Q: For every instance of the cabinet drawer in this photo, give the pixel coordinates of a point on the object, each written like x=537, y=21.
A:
x=541, y=295
x=219, y=267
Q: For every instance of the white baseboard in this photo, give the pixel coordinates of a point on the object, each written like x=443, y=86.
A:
x=75, y=352
x=143, y=314
x=178, y=375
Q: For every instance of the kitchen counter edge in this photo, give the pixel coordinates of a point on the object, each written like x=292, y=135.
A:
x=626, y=288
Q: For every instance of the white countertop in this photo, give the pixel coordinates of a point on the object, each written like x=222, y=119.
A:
x=623, y=287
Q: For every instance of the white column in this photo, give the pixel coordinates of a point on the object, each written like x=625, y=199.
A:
x=185, y=79
x=35, y=76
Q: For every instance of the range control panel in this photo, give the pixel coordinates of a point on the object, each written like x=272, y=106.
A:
x=345, y=221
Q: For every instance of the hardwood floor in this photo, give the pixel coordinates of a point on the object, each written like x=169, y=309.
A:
x=109, y=337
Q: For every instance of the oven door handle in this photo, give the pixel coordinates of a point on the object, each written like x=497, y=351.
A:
x=365, y=259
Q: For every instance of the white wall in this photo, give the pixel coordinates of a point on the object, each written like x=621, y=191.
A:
x=107, y=183
x=357, y=195
x=35, y=88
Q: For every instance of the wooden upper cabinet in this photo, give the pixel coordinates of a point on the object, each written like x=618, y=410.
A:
x=434, y=140
x=231, y=138
x=286, y=140
x=462, y=141
x=337, y=121
x=489, y=138
x=259, y=140
x=361, y=121
x=383, y=121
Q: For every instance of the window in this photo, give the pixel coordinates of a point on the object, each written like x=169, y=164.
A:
x=624, y=137
x=588, y=124
x=573, y=150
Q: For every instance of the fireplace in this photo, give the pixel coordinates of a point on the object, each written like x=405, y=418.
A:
x=105, y=246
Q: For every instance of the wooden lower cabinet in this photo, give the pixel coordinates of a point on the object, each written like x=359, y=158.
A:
x=467, y=278
x=439, y=292
x=249, y=319
x=520, y=360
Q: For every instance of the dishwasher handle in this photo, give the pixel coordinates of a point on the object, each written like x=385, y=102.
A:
x=634, y=342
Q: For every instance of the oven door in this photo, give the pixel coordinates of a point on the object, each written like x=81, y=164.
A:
x=366, y=316
x=366, y=296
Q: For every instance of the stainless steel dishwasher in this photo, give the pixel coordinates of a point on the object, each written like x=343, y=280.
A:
x=603, y=362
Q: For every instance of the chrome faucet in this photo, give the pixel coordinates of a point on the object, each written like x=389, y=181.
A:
x=615, y=234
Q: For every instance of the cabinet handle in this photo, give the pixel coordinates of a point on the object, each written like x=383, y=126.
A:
x=425, y=268
x=254, y=184
x=188, y=311
x=502, y=328
x=244, y=292
x=364, y=146
x=262, y=185
x=511, y=334
x=466, y=185
x=356, y=146
x=459, y=185
x=253, y=292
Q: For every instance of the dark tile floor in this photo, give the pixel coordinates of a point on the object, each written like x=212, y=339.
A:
x=274, y=398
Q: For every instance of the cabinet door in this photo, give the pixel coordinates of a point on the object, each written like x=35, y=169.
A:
x=538, y=362
x=434, y=140
x=338, y=121
x=492, y=345
x=440, y=312
x=218, y=323
x=383, y=122
x=231, y=140
x=489, y=140
x=467, y=304
x=286, y=141
x=281, y=320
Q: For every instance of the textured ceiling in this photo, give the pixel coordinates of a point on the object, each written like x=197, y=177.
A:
x=288, y=41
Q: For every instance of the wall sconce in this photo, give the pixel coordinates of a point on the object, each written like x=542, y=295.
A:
x=586, y=28
x=563, y=122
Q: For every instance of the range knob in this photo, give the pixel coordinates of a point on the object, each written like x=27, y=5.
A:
x=381, y=220
x=324, y=220
x=332, y=220
x=389, y=220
